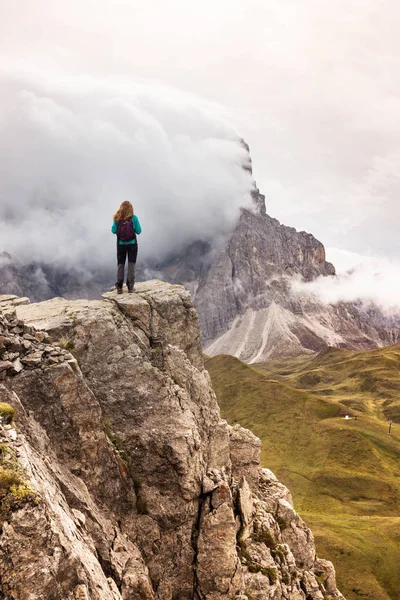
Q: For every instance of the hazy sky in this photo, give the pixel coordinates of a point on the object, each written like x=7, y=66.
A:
x=312, y=86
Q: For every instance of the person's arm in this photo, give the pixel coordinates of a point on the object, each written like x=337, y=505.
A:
x=137, y=225
x=114, y=227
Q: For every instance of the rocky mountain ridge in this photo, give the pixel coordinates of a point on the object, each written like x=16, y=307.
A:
x=246, y=303
x=242, y=289
x=41, y=281
x=119, y=480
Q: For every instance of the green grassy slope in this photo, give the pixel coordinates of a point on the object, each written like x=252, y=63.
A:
x=344, y=474
x=363, y=381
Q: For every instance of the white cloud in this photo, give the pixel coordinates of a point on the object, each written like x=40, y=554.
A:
x=359, y=278
x=312, y=86
x=72, y=149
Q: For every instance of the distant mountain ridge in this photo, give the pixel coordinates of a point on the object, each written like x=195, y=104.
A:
x=41, y=281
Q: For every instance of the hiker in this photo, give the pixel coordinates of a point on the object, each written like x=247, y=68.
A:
x=126, y=226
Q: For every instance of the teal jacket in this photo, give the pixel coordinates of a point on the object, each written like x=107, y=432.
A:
x=136, y=226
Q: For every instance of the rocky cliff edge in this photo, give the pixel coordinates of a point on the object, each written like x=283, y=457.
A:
x=118, y=479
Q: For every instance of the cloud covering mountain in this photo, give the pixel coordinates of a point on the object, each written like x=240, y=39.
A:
x=312, y=86
x=369, y=279
x=71, y=149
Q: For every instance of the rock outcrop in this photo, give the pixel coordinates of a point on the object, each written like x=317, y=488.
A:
x=118, y=479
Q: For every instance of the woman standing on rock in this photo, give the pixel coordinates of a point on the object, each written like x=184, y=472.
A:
x=126, y=226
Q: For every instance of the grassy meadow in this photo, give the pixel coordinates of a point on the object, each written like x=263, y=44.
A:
x=344, y=474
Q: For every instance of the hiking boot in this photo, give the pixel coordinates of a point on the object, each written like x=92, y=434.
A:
x=119, y=290
x=130, y=290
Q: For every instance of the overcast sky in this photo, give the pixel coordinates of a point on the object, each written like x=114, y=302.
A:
x=312, y=86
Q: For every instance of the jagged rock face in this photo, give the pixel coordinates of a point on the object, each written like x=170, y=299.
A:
x=137, y=488
x=245, y=300
x=250, y=272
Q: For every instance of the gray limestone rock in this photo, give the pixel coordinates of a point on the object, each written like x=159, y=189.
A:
x=33, y=359
x=135, y=488
x=5, y=365
x=17, y=365
x=246, y=303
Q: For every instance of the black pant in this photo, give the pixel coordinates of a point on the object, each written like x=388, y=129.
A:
x=124, y=250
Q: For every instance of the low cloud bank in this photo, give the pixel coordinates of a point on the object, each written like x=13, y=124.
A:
x=72, y=149
x=359, y=278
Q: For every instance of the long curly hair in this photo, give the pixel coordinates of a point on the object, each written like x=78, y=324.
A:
x=124, y=212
